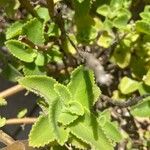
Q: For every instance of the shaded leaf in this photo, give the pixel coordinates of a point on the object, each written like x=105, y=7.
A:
x=21, y=50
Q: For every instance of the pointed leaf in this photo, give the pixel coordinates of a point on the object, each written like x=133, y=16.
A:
x=83, y=88
x=63, y=93
x=21, y=50
x=40, y=85
x=60, y=132
x=86, y=128
x=41, y=133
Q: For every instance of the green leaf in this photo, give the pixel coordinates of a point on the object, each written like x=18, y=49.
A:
x=42, y=13
x=75, y=108
x=66, y=118
x=21, y=50
x=2, y=121
x=122, y=56
x=34, y=30
x=121, y=21
x=22, y=113
x=146, y=78
x=43, y=127
x=104, y=10
x=14, y=30
x=142, y=109
x=40, y=85
x=61, y=134
x=83, y=87
x=127, y=85
x=86, y=128
x=3, y=102
x=10, y=73
x=77, y=143
x=143, y=27
x=53, y=30
x=63, y=92
x=32, y=69
x=40, y=59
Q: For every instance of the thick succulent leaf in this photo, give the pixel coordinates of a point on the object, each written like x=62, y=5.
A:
x=142, y=109
x=65, y=118
x=14, y=30
x=41, y=85
x=61, y=134
x=127, y=85
x=83, y=88
x=63, y=92
x=21, y=50
x=43, y=127
x=86, y=128
x=34, y=31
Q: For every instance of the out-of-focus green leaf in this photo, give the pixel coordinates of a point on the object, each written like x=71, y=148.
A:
x=104, y=10
x=143, y=27
x=22, y=113
x=142, y=109
x=127, y=85
x=2, y=121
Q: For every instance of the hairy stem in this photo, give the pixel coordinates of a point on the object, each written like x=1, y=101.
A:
x=11, y=91
x=20, y=121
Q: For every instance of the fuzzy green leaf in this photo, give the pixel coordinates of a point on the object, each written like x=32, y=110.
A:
x=14, y=30
x=63, y=92
x=61, y=134
x=75, y=108
x=66, y=118
x=142, y=109
x=83, y=88
x=43, y=127
x=40, y=85
x=34, y=31
x=128, y=85
x=3, y=102
x=104, y=10
x=22, y=113
x=21, y=50
x=86, y=128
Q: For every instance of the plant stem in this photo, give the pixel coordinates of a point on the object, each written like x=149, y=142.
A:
x=26, y=4
x=5, y=138
x=11, y=91
x=20, y=121
x=50, y=6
